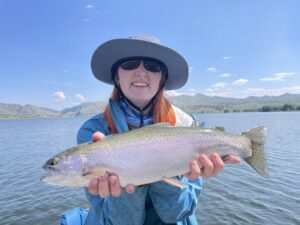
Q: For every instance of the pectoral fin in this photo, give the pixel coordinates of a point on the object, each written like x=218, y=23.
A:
x=174, y=182
x=220, y=128
x=97, y=172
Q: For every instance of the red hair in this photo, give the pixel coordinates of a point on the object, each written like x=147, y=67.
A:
x=162, y=112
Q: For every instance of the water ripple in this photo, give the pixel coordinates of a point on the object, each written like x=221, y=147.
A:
x=237, y=196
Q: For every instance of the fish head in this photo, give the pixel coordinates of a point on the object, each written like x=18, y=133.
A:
x=65, y=164
x=65, y=170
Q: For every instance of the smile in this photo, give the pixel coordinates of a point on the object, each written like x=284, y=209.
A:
x=140, y=84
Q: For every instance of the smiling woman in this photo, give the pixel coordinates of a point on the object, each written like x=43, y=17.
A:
x=139, y=80
x=140, y=68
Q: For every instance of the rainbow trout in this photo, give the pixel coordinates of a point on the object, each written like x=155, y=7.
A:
x=152, y=153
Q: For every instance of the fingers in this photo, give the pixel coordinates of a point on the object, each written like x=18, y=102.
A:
x=210, y=166
x=103, y=187
x=207, y=166
x=93, y=186
x=98, y=136
x=130, y=188
x=195, y=170
x=218, y=164
x=232, y=159
x=114, y=185
x=108, y=185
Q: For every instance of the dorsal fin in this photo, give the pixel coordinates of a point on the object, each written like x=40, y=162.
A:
x=220, y=128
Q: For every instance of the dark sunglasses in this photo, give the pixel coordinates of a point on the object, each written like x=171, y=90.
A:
x=152, y=65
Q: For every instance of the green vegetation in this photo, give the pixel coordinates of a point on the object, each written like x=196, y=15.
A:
x=285, y=107
x=193, y=104
x=204, y=104
x=244, y=108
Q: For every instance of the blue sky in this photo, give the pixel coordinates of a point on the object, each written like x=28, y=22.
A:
x=234, y=48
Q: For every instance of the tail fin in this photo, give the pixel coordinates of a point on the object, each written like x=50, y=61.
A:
x=257, y=160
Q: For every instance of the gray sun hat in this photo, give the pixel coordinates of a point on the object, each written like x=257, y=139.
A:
x=114, y=50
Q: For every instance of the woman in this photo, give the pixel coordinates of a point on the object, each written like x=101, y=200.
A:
x=140, y=68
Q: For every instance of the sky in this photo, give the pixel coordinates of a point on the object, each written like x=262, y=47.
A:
x=233, y=48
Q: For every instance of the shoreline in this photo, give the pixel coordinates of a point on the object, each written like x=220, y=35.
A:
x=90, y=115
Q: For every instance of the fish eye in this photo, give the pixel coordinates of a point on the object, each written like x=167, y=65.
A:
x=53, y=161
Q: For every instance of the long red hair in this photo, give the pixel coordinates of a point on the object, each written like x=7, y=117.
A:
x=162, y=112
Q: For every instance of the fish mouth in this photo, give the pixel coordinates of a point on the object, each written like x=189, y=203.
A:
x=51, y=173
x=71, y=180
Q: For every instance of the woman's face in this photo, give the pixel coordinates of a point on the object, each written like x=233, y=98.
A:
x=139, y=85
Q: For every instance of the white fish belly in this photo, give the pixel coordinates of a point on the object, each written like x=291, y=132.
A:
x=143, y=165
x=149, y=161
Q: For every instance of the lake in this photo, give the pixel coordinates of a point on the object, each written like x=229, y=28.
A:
x=237, y=196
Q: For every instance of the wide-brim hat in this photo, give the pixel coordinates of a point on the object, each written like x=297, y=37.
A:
x=108, y=53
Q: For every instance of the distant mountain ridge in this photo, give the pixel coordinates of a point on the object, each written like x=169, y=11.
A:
x=198, y=103
x=87, y=108
x=29, y=111
x=202, y=103
x=16, y=111
x=200, y=99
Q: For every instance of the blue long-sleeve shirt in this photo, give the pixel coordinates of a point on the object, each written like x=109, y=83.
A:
x=157, y=203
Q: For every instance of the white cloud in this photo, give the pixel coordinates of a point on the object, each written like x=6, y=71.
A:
x=173, y=93
x=278, y=76
x=218, y=92
x=227, y=57
x=225, y=75
x=271, y=92
x=80, y=97
x=90, y=6
x=191, y=69
x=215, y=89
x=258, y=92
x=193, y=90
x=212, y=69
x=219, y=85
x=59, y=96
x=240, y=82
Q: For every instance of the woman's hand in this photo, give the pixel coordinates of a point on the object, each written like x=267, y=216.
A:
x=211, y=166
x=108, y=184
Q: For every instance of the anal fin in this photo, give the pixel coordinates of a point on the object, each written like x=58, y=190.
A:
x=174, y=182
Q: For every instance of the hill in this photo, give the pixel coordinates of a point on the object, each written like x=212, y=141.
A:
x=25, y=111
x=88, y=108
x=202, y=103
x=195, y=104
x=31, y=111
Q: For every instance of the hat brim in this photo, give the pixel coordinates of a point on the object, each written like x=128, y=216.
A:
x=111, y=51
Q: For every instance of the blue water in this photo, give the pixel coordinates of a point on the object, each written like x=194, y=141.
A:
x=237, y=196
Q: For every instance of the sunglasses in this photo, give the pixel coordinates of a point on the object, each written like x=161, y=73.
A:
x=151, y=65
